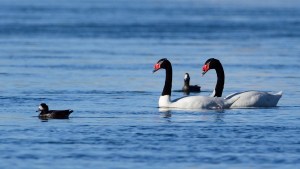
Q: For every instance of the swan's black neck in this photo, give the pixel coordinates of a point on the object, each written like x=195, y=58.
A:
x=221, y=79
x=168, y=81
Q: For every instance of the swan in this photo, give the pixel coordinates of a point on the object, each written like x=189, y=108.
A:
x=187, y=88
x=189, y=102
x=45, y=113
x=244, y=99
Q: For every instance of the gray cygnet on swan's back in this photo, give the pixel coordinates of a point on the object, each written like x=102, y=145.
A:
x=54, y=114
x=187, y=88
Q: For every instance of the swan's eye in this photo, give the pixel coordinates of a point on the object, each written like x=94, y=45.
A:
x=156, y=66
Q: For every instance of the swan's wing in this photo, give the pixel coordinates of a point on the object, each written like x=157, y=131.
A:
x=255, y=99
x=234, y=94
x=175, y=100
x=237, y=93
x=198, y=102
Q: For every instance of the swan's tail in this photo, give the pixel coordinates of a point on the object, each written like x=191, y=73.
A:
x=279, y=93
x=276, y=97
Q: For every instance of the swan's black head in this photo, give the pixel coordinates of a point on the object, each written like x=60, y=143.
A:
x=43, y=107
x=186, y=77
x=211, y=63
x=161, y=64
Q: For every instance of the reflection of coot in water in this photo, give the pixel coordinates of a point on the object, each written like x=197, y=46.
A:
x=54, y=114
x=187, y=88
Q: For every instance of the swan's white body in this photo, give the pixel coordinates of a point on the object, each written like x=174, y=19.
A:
x=195, y=102
x=243, y=99
x=254, y=99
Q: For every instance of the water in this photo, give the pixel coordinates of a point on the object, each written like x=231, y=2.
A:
x=96, y=57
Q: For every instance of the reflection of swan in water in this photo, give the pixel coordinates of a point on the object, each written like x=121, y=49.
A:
x=170, y=109
x=165, y=113
x=196, y=115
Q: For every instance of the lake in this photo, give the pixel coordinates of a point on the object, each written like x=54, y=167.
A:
x=97, y=57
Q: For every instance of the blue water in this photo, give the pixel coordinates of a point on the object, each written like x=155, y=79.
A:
x=96, y=57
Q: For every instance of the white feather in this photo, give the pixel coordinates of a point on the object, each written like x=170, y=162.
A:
x=254, y=99
x=196, y=102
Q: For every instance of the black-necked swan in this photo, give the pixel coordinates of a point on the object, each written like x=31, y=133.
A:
x=189, y=102
x=246, y=98
x=54, y=114
x=187, y=88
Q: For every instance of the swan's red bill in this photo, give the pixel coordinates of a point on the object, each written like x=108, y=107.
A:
x=156, y=67
x=205, y=68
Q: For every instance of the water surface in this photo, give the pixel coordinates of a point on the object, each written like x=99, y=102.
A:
x=96, y=57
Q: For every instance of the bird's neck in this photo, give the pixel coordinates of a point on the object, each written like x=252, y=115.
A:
x=168, y=80
x=220, y=81
x=186, y=83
